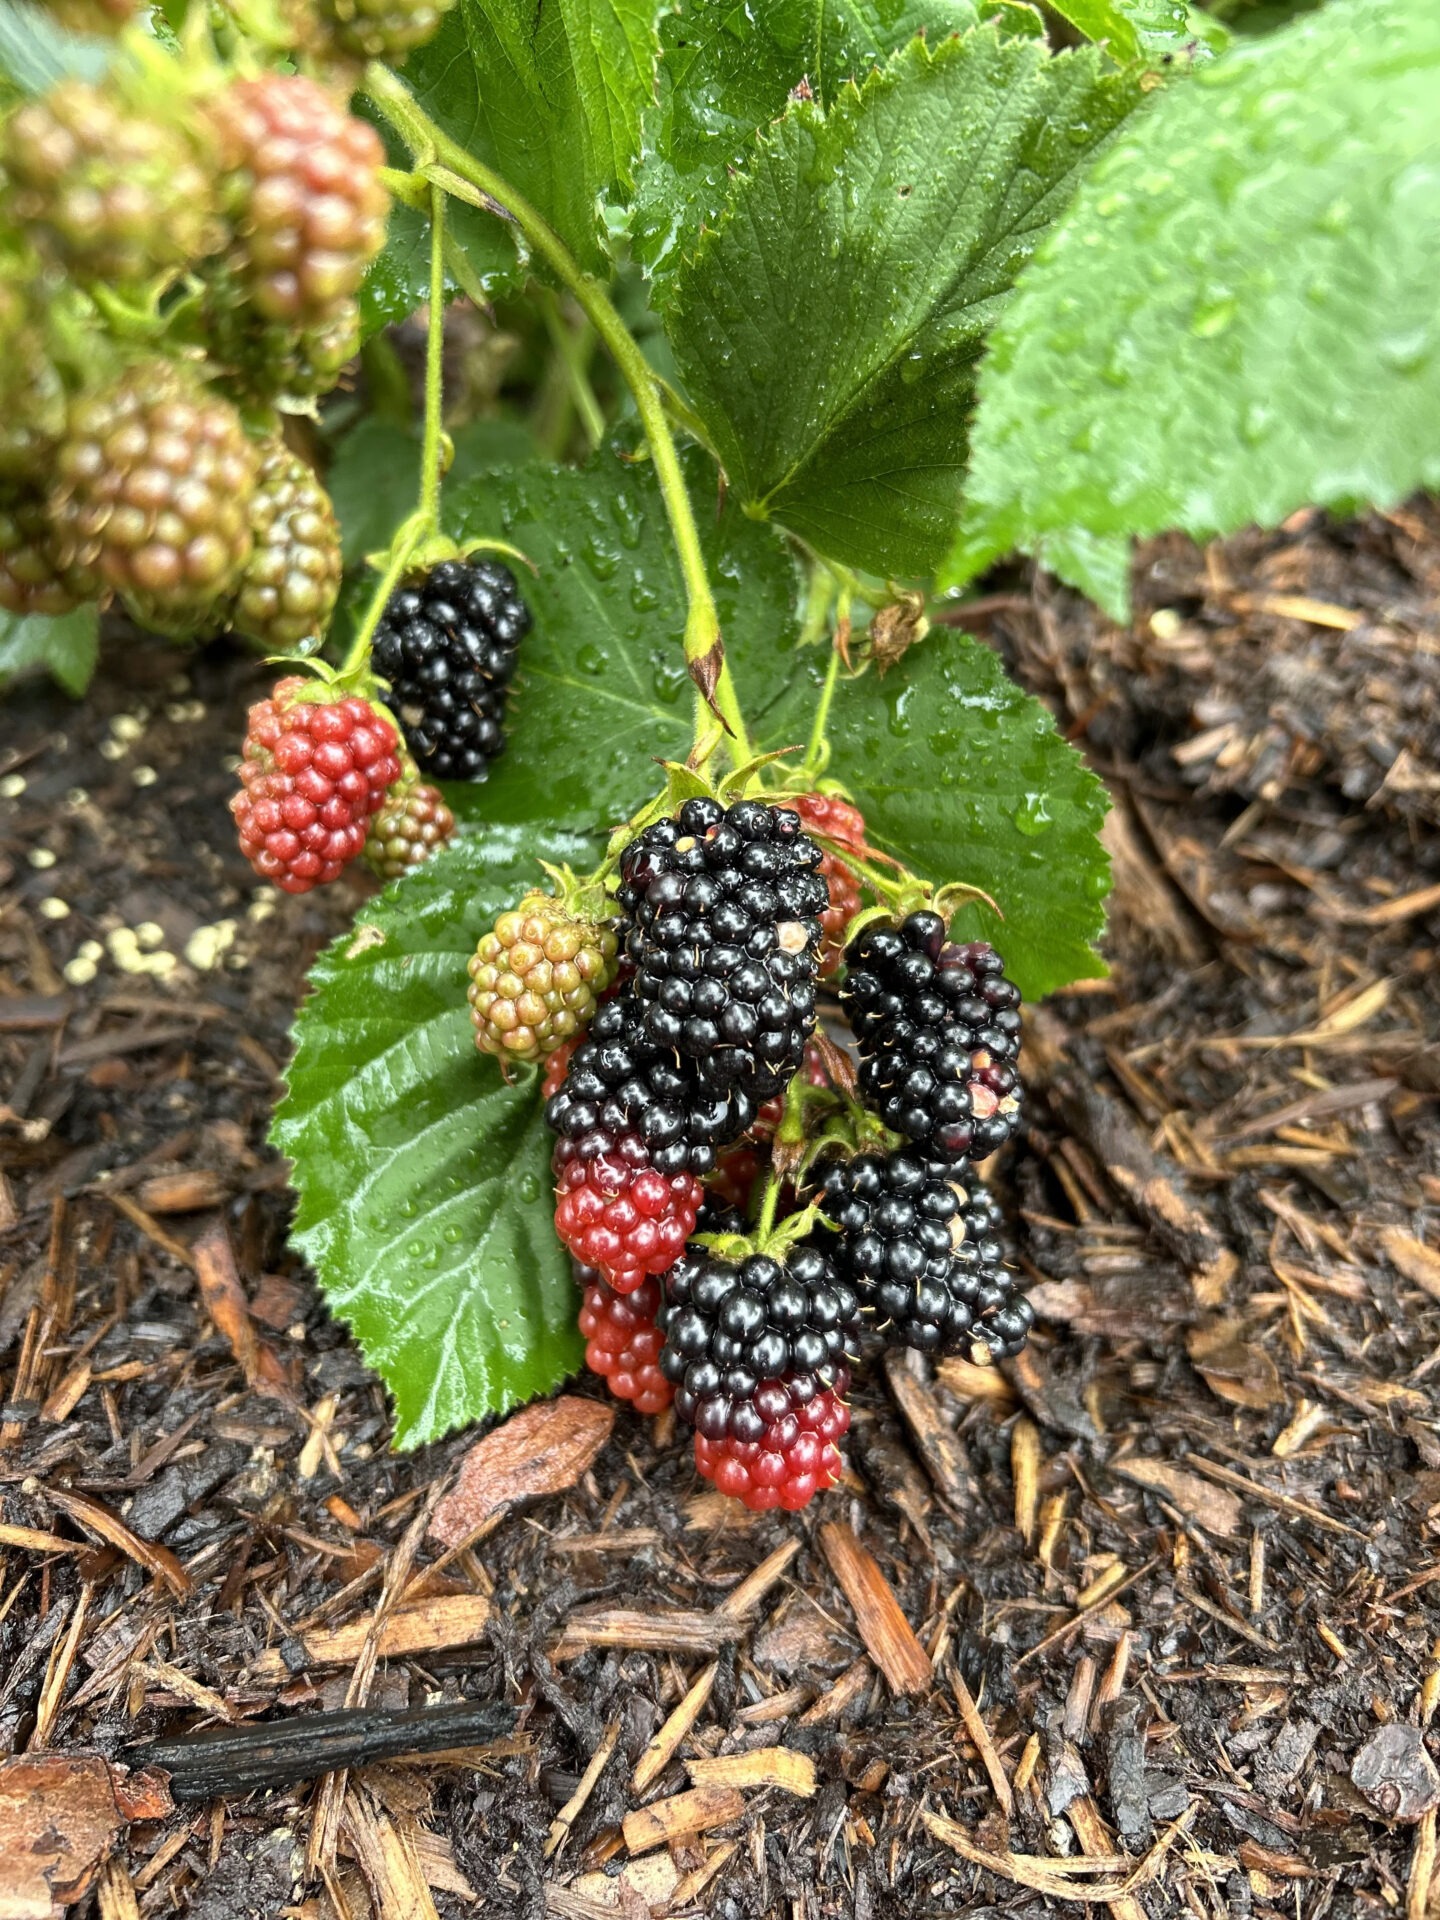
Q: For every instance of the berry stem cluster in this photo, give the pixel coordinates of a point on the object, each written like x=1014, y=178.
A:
x=704, y=651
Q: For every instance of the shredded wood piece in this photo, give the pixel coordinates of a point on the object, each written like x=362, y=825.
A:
x=450, y=1620
x=888, y=1636
x=661, y=1750
x=665, y=1821
x=778, y=1767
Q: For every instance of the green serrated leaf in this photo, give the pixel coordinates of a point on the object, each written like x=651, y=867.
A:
x=602, y=692
x=1238, y=316
x=551, y=97
x=1096, y=565
x=963, y=777
x=36, y=51
x=399, y=280
x=66, y=647
x=828, y=330
x=727, y=71
x=1132, y=29
x=425, y=1195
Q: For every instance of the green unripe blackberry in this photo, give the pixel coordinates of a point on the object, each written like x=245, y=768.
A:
x=413, y=823
x=381, y=29
x=288, y=589
x=112, y=193
x=270, y=362
x=535, y=978
x=32, y=579
x=153, y=489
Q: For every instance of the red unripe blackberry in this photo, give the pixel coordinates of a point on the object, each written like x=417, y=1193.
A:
x=32, y=580
x=616, y=1212
x=556, y=1068
x=154, y=482
x=920, y=1242
x=412, y=824
x=745, y=1342
x=831, y=818
x=535, y=978
x=304, y=194
x=290, y=583
x=381, y=29
x=793, y=1458
x=939, y=1033
x=112, y=192
x=725, y=906
x=622, y=1342
x=312, y=773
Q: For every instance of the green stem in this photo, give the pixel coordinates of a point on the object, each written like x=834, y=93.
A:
x=434, y=369
x=817, y=754
x=573, y=352
x=406, y=541
x=765, y=1225
x=702, y=627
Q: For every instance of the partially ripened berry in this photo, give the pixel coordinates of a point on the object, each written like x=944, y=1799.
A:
x=792, y=1459
x=114, y=194
x=622, y=1342
x=312, y=773
x=535, y=978
x=381, y=29
x=919, y=1241
x=622, y=1081
x=746, y=1343
x=410, y=826
x=32, y=578
x=268, y=361
x=290, y=583
x=939, y=1033
x=616, y=1212
x=303, y=194
x=153, y=489
x=446, y=644
x=834, y=819
x=725, y=907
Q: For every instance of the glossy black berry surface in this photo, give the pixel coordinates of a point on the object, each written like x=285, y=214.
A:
x=745, y=1344
x=938, y=1027
x=447, y=645
x=725, y=907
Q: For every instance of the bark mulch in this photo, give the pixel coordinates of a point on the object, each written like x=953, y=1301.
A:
x=1147, y=1619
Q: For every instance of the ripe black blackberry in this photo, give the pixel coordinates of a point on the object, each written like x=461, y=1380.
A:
x=939, y=1033
x=746, y=1344
x=447, y=646
x=920, y=1243
x=619, y=1081
x=725, y=907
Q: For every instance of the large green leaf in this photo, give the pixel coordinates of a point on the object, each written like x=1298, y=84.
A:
x=550, y=96
x=425, y=1202
x=1132, y=29
x=602, y=691
x=963, y=777
x=65, y=647
x=1239, y=315
x=726, y=71
x=829, y=328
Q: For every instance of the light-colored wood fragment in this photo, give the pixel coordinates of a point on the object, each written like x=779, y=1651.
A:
x=978, y=1731
x=969, y=1382
x=1025, y=1460
x=184, y=1688
x=97, y=1518
x=1210, y=1507
x=68, y=1394
x=575, y=1805
x=665, y=1821
x=117, y=1895
x=450, y=1620
x=32, y=1540
x=934, y=1437
x=837, y=1700
x=214, y=1262
x=694, y=1884
x=1413, y=1259
x=386, y=1852
x=778, y=1767
x=661, y=1750
x=644, y=1886
x=1095, y=1841
x=666, y=1630
x=1422, y=1869
x=744, y=1599
x=888, y=1636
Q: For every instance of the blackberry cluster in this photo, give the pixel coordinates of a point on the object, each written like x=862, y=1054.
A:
x=32, y=577
x=919, y=1243
x=413, y=823
x=619, y=1081
x=447, y=647
x=379, y=29
x=794, y=1458
x=616, y=1211
x=622, y=1341
x=725, y=907
x=939, y=1032
x=747, y=1344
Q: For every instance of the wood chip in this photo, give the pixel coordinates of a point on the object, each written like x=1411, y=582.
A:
x=761, y=1767
x=1025, y=1462
x=888, y=1636
x=59, y=1816
x=1298, y=606
x=1210, y=1507
x=32, y=1540
x=934, y=1437
x=967, y=1381
x=661, y=1750
x=1228, y=1477
x=226, y=1305
x=450, y=1620
x=663, y=1631
x=665, y=1821
x=980, y=1734
x=575, y=1805
x=97, y=1518
x=1413, y=1258
x=745, y=1598
x=542, y=1449
x=190, y=1192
